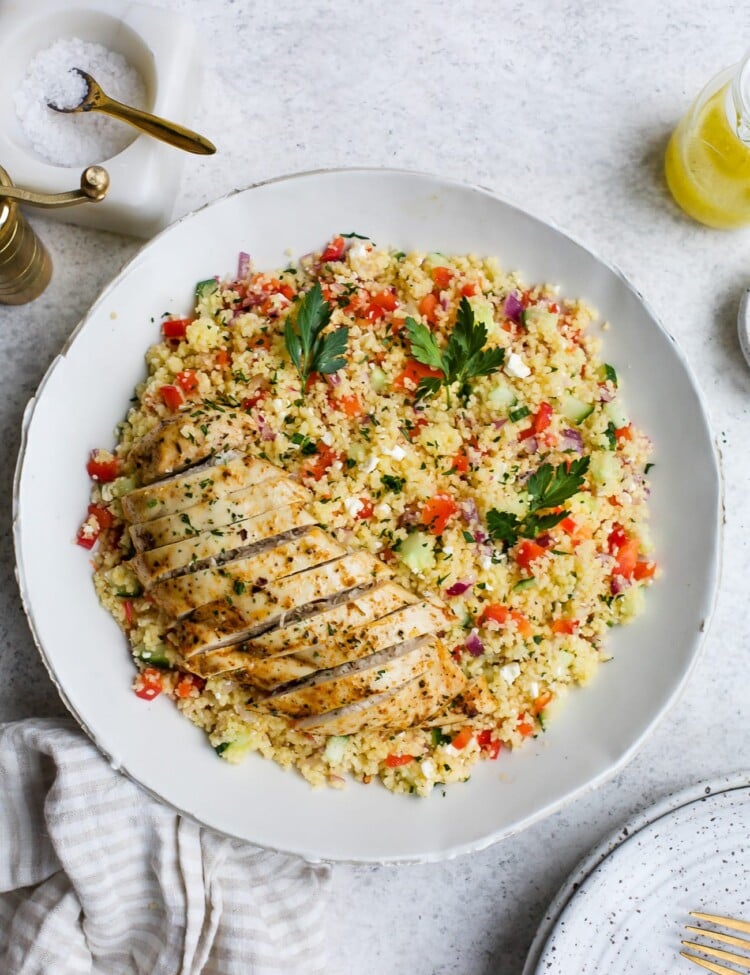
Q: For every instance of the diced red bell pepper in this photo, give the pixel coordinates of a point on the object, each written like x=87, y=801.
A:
x=175, y=328
x=253, y=399
x=644, y=570
x=366, y=509
x=316, y=466
x=427, y=308
x=127, y=607
x=172, y=396
x=460, y=463
x=616, y=538
x=348, y=404
x=524, y=727
x=437, y=512
x=396, y=761
x=539, y=422
x=568, y=627
x=470, y=289
x=385, y=300
x=334, y=251
x=102, y=467
x=528, y=552
x=409, y=378
x=187, y=380
x=222, y=359
x=624, y=433
x=627, y=559
x=462, y=739
x=541, y=702
x=442, y=277
x=489, y=744
x=497, y=613
x=148, y=684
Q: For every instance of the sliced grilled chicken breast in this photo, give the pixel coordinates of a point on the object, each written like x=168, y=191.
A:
x=275, y=492
x=219, y=624
x=203, y=483
x=219, y=545
x=182, y=594
x=188, y=438
x=410, y=704
x=338, y=686
x=308, y=636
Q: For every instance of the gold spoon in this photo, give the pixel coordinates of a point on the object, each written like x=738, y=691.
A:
x=95, y=100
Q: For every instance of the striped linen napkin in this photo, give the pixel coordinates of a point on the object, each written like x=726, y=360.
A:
x=97, y=877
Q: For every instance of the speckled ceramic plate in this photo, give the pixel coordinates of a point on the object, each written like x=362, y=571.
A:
x=623, y=909
x=86, y=393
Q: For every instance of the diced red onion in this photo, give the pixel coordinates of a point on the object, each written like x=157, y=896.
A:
x=459, y=588
x=498, y=424
x=544, y=540
x=473, y=644
x=480, y=537
x=444, y=303
x=572, y=440
x=618, y=585
x=469, y=510
x=332, y=378
x=606, y=395
x=530, y=445
x=243, y=265
x=513, y=307
x=266, y=433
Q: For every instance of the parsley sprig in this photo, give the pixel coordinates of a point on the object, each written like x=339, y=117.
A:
x=464, y=358
x=308, y=348
x=548, y=487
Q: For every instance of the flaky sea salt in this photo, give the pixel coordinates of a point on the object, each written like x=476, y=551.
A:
x=85, y=137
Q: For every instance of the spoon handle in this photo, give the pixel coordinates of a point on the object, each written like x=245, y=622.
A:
x=171, y=132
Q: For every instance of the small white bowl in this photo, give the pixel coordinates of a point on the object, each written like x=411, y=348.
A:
x=144, y=177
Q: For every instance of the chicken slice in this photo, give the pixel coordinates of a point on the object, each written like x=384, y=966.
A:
x=402, y=707
x=182, y=594
x=219, y=624
x=350, y=682
x=188, y=438
x=238, y=666
x=220, y=545
x=202, y=483
x=275, y=492
x=476, y=698
x=308, y=636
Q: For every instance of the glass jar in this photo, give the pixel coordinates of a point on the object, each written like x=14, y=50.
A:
x=708, y=157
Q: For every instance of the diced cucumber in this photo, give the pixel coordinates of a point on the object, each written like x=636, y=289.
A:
x=605, y=470
x=435, y=259
x=484, y=313
x=501, y=397
x=335, y=748
x=154, y=658
x=378, y=379
x=206, y=287
x=574, y=409
x=616, y=414
x=607, y=373
x=518, y=414
x=545, y=322
x=233, y=751
x=417, y=552
x=524, y=584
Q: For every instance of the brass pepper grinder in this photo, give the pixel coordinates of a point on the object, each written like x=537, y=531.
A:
x=25, y=265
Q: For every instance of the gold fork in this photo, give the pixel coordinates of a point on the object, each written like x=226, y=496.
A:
x=727, y=939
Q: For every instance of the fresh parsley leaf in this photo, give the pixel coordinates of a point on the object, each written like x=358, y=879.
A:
x=609, y=373
x=503, y=526
x=308, y=348
x=550, y=487
x=464, y=357
x=609, y=433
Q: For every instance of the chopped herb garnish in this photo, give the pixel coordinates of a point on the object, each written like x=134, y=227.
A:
x=548, y=487
x=439, y=738
x=358, y=236
x=647, y=468
x=308, y=348
x=468, y=537
x=519, y=414
x=392, y=483
x=609, y=433
x=609, y=373
x=464, y=358
x=239, y=586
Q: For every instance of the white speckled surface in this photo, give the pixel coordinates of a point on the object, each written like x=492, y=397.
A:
x=567, y=114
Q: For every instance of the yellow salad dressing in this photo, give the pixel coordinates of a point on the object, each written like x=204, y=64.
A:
x=708, y=157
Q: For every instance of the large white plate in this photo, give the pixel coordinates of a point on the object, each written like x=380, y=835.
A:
x=623, y=909
x=86, y=392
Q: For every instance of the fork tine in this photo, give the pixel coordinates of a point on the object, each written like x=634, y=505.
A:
x=726, y=922
x=720, y=953
x=710, y=966
x=728, y=939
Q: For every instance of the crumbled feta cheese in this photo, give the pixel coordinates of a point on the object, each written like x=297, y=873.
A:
x=510, y=671
x=382, y=510
x=516, y=367
x=371, y=464
x=428, y=768
x=327, y=438
x=447, y=550
x=397, y=452
x=534, y=689
x=353, y=506
x=359, y=249
x=486, y=561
